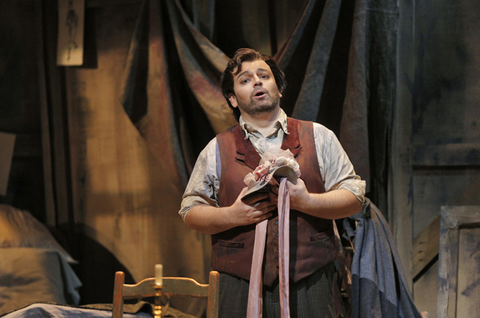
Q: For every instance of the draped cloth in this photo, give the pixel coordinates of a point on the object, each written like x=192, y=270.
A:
x=284, y=247
x=254, y=307
x=379, y=286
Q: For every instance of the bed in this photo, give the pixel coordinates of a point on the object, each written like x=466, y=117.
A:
x=37, y=279
x=34, y=267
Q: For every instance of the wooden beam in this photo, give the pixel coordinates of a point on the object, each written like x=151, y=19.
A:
x=50, y=205
x=425, y=246
x=466, y=154
x=90, y=4
x=400, y=210
x=58, y=122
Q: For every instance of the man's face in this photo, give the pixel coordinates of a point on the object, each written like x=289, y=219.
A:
x=255, y=89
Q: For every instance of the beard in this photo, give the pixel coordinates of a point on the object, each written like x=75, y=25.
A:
x=259, y=107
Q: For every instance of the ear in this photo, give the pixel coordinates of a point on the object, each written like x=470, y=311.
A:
x=280, y=95
x=233, y=100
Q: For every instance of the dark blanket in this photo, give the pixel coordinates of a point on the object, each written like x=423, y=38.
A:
x=379, y=287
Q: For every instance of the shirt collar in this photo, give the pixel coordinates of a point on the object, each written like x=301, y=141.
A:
x=281, y=123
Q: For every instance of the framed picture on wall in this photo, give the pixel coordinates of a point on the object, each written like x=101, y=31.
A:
x=70, y=32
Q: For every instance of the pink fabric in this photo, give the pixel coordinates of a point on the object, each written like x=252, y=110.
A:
x=255, y=304
x=284, y=246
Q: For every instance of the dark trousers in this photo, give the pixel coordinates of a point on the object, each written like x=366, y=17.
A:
x=310, y=297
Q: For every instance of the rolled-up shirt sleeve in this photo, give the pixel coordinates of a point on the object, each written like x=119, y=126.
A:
x=202, y=188
x=335, y=167
x=336, y=170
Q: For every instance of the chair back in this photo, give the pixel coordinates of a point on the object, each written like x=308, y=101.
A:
x=172, y=286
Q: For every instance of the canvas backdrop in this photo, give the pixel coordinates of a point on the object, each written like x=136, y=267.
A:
x=145, y=105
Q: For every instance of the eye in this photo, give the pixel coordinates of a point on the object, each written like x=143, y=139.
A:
x=244, y=81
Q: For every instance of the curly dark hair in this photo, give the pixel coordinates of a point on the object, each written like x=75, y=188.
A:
x=248, y=55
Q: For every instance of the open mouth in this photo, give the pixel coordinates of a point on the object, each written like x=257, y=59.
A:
x=259, y=94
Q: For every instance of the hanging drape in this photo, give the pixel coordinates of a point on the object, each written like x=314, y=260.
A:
x=339, y=58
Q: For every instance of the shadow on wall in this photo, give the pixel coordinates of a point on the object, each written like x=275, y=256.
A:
x=96, y=266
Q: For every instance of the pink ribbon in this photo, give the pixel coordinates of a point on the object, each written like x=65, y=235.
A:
x=255, y=303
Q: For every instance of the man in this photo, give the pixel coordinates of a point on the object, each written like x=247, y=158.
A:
x=328, y=189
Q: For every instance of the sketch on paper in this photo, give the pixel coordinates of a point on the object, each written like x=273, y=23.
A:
x=70, y=32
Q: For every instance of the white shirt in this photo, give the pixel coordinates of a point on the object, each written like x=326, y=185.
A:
x=335, y=167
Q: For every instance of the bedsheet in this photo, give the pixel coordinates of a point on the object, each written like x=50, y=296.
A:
x=141, y=309
x=62, y=311
x=29, y=275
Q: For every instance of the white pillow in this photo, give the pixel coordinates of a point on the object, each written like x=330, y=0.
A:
x=18, y=228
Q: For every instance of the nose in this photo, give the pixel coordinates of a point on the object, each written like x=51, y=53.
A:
x=257, y=82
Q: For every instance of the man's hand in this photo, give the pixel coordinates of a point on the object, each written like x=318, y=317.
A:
x=211, y=220
x=257, y=208
x=299, y=195
x=334, y=204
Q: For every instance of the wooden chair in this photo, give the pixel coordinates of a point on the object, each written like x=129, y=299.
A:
x=179, y=286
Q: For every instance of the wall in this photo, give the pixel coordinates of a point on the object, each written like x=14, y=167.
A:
x=122, y=195
x=20, y=104
x=438, y=136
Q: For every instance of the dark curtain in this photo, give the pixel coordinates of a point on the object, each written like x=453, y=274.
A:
x=339, y=58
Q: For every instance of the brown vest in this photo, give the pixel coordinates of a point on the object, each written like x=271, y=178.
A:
x=311, y=238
